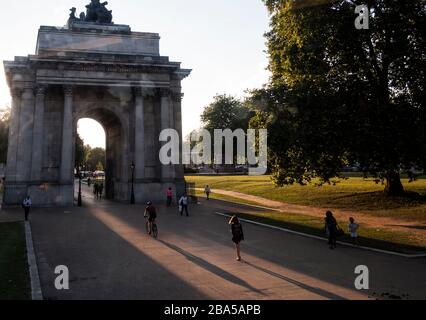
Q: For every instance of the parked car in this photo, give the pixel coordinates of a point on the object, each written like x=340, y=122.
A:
x=97, y=174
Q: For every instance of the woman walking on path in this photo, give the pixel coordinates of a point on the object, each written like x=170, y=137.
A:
x=331, y=229
x=207, y=191
x=169, y=194
x=237, y=235
x=101, y=190
x=96, y=190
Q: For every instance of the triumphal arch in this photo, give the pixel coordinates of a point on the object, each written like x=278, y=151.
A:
x=92, y=68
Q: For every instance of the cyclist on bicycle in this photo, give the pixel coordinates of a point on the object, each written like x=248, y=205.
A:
x=150, y=215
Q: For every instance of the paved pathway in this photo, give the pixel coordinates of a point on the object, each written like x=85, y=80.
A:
x=110, y=257
x=416, y=228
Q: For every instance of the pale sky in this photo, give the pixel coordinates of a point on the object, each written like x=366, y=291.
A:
x=221, y=40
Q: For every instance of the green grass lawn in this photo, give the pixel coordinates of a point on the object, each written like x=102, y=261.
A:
x=14, y=276
x=355, y=194
x=403, y=242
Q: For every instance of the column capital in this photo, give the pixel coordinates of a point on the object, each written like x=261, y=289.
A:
x=143, y=92
x=164, y=92
x=177, y=96
x=16, y=92
x=40, y=90
x=68, y=90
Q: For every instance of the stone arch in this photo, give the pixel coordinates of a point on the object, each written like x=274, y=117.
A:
x=104, y=72
x=116, y=132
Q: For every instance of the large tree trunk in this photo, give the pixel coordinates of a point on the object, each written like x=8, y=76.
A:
x=394, y=186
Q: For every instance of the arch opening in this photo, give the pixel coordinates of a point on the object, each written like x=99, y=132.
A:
x=100, y=157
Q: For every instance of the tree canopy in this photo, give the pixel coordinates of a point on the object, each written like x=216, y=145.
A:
x=95, y=159
x=4, y=133
x=341, y=96
x=226, y=112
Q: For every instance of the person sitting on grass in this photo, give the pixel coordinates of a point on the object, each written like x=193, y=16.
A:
x=353, y=230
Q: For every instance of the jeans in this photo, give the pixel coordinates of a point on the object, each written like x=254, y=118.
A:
x=27, y=212
x=184, y=207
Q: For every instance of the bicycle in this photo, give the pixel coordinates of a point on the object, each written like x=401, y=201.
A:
x=154, y=231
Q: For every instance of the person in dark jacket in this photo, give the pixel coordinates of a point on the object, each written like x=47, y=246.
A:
x=237, y=234
x=331, y=229
x=27, y=204
x=150, y=215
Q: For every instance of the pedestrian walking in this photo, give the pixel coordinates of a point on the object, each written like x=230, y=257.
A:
x=169, y=194
x=331, y=229
x=183, y=205
x=150, y=215
x=27, y=204
x=96, y=190
x=101, y=190
x=207, y=191
x=237, y=235
x=353, y=230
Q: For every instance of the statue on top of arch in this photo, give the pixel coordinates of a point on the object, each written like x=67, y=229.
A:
x=96, y=12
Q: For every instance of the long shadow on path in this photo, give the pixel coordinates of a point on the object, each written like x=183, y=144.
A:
x=212, y=268
x=318, y=291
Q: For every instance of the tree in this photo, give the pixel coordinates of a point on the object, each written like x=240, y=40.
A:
x=4, y=133
x=81, y=151
x=345, y=96
x=226, y=112
x=99, y=167
x=96, y=156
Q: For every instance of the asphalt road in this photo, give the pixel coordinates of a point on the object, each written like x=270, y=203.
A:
x=109, y=256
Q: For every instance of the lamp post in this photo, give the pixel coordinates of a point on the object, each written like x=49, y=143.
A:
x=132, y=197
x=79, y=187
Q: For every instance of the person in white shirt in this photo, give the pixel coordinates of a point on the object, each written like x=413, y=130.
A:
x=183, y=204
x=26, y=204
x=207, y=191
x=353, y=230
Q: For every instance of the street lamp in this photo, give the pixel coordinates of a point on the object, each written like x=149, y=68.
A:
x=79, y=187
x=132, y=197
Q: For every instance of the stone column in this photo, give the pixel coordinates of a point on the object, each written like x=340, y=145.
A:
x=12, y=153
x=139, y=134
x=66, y=172
x=167, y=171
x=25, y=140
x=36, y=165
x=177, y=115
